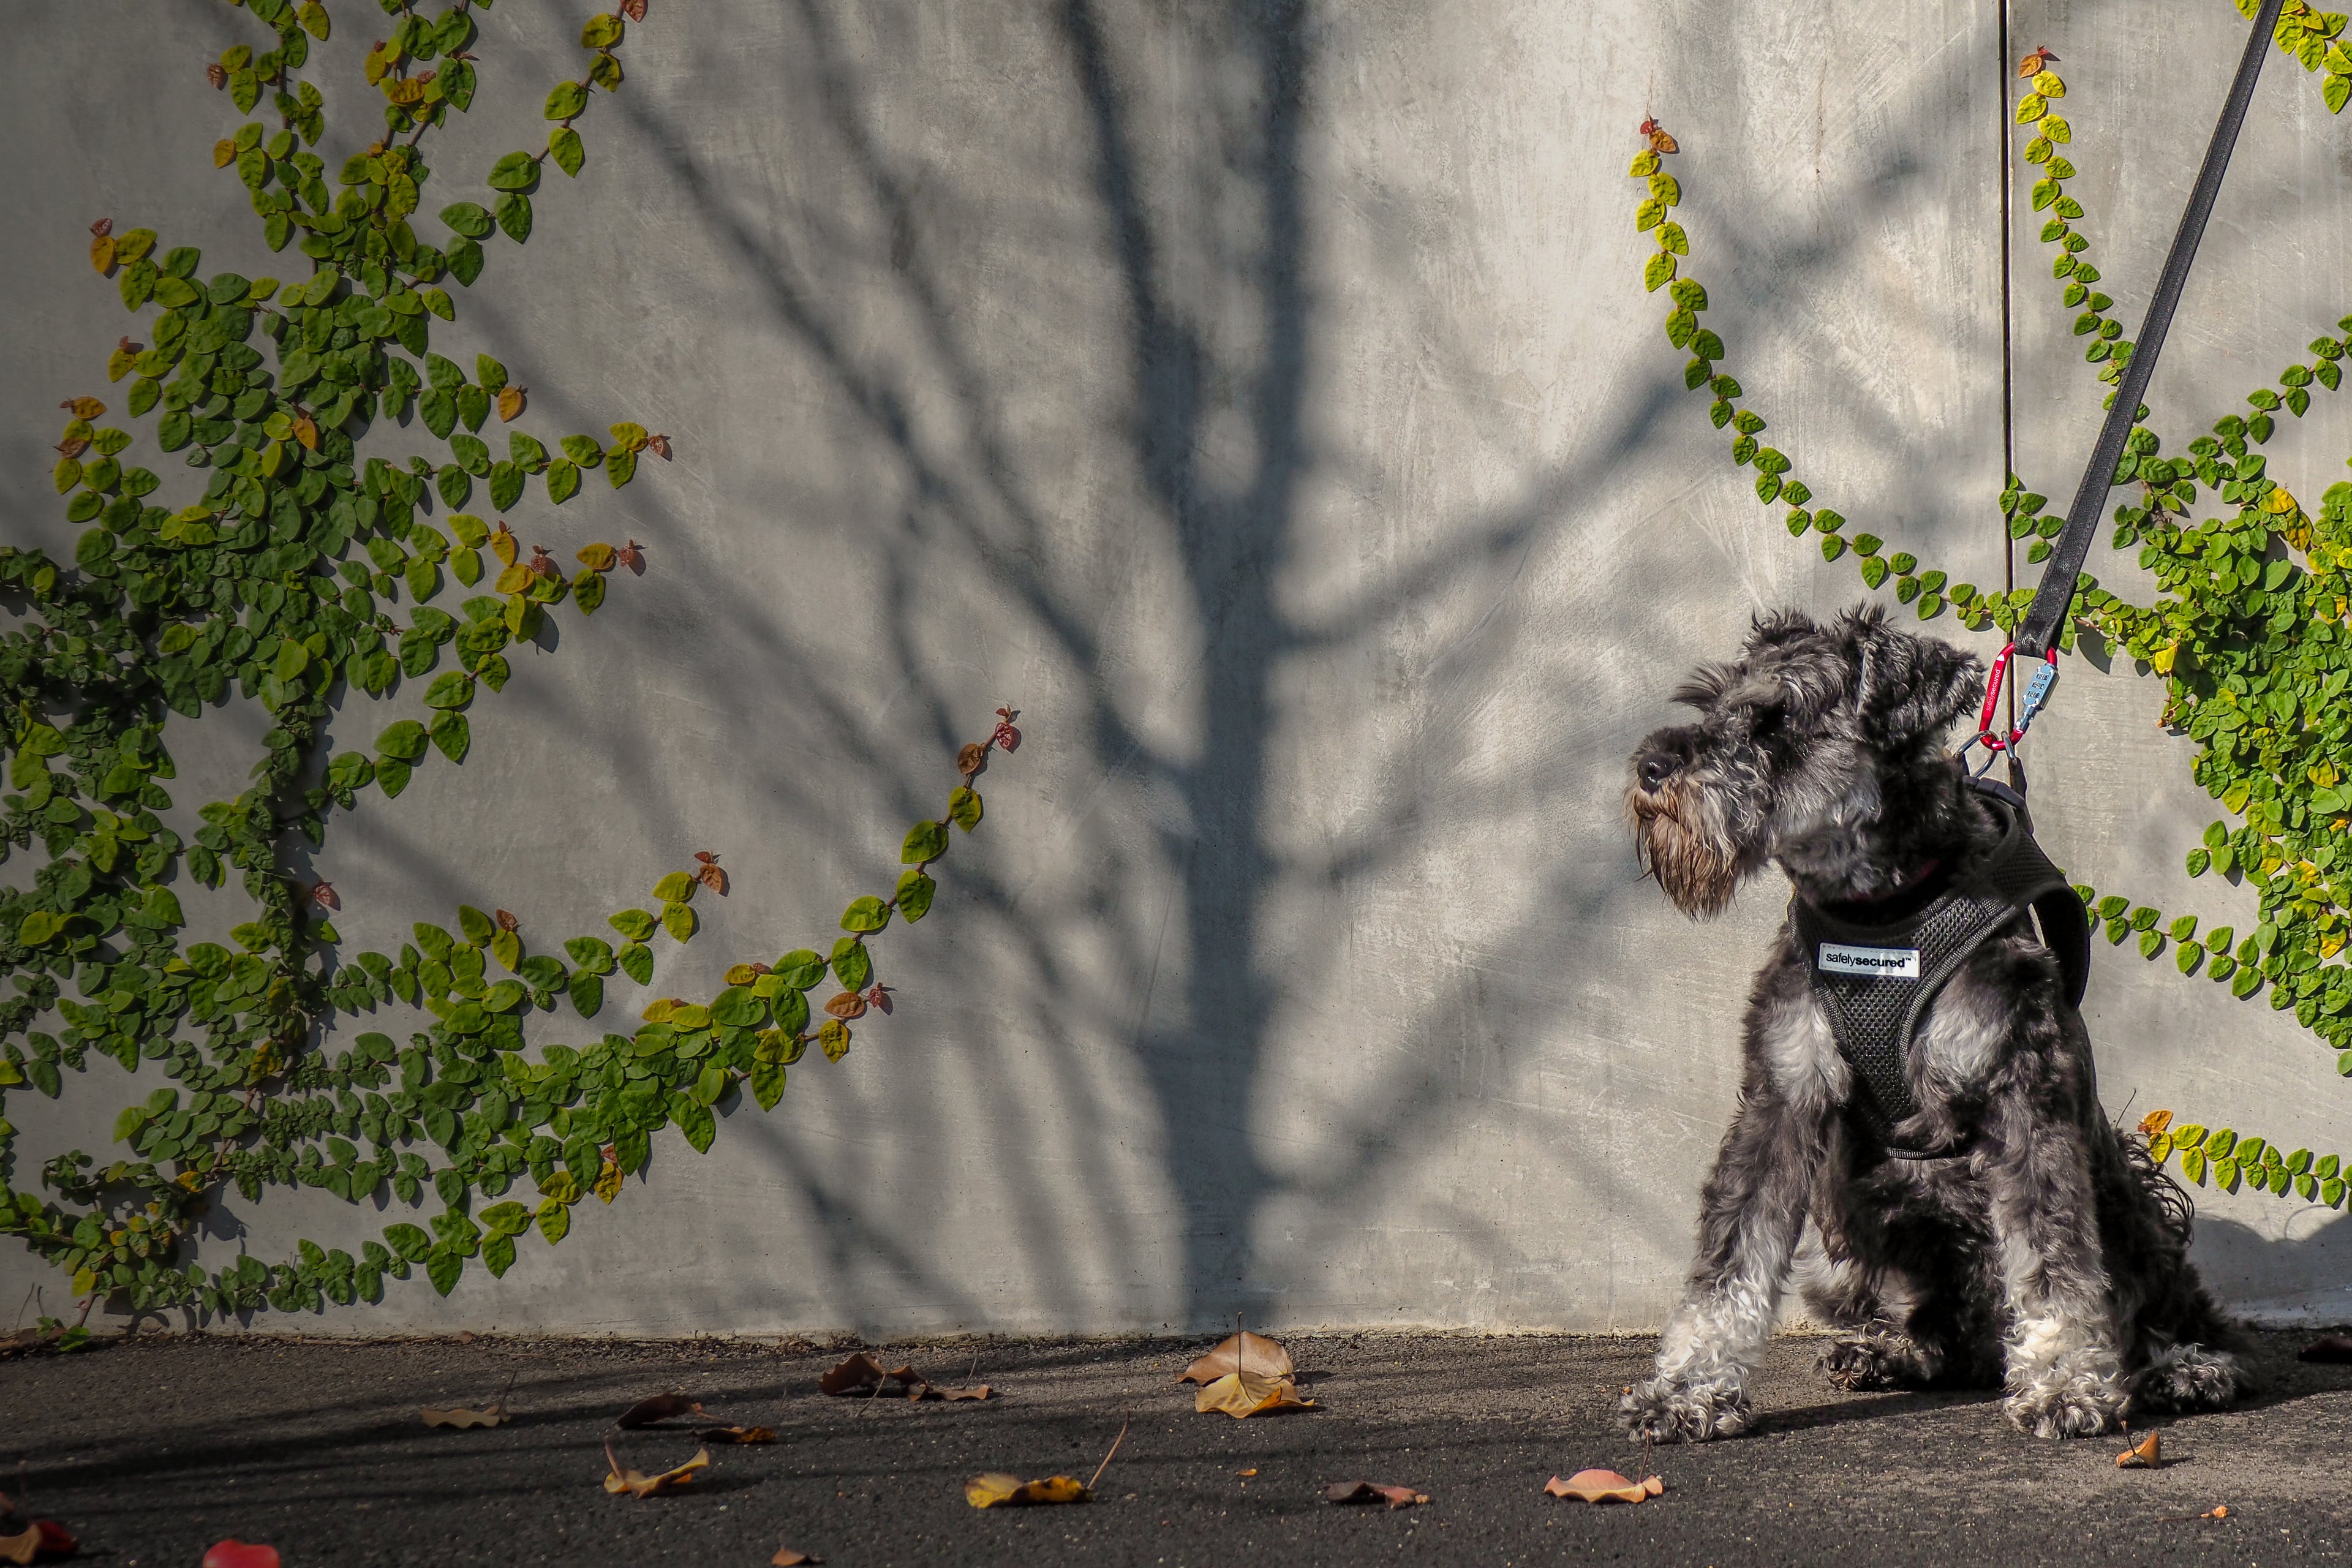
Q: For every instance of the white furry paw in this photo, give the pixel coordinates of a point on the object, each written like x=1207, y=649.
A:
x=1664, y=1411
x=2078, y=1406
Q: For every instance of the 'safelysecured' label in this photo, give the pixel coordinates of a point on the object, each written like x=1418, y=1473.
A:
x=1888, y=962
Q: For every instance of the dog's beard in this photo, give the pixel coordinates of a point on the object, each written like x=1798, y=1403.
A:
x=1698, y=869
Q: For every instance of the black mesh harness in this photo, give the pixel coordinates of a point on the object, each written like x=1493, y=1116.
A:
x=1876, y=982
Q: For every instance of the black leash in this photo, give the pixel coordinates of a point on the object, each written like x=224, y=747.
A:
x=2037, y=637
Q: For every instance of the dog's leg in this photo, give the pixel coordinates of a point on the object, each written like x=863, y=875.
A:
x=2064, y=1371
x=1750, y=1212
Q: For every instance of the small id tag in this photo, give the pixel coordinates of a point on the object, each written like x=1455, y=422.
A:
x=1888, y=963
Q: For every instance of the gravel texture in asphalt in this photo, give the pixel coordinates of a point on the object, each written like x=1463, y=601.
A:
x=153, y=1450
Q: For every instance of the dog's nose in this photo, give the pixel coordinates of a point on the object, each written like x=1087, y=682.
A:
x=1656, y=769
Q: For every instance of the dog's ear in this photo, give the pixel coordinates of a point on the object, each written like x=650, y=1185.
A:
x=1909, y=689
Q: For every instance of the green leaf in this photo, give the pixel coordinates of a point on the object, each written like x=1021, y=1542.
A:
x=479, y=927
x=407, y=1242
x=583, y=450
x=679, y=920
x=925, y=841
x=963, y=808
x=914, y=895
x=562, y=481
x=564, y=146
x=676, y=888
x=452, y=734
x=469, y=218
x=442, y=1266
x=636, y=960
x=853, y=966
x=634, y=924
x=453, y=690
x=403, y=742
x=513, y=213
x=866, y=914
x=768, y=1083
x=515, y=172
x=1659, y=270
x=738, y=1008
x=799, y=969
x=506, y=948
x=509, y=1218
x=566, y=100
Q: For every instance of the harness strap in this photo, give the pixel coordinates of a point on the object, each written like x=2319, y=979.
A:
x=1876, y=983
x=2062, y=577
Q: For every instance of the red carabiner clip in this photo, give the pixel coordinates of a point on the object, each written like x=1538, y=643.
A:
x=1992, y=741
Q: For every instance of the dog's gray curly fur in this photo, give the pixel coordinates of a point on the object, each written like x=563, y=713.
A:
x=2051, y=1257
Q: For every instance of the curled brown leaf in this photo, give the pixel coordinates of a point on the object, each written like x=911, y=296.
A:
x=637, y=1484
x=506, y=922
x=2148, y=1454
x=72, y=446
x=970, y=758
x=1372, y=1491
x=657, y=1408
x=1604, y=1486
x=846, y=1005
x=1252, y=1355
x=101, y=228
x=785, y=1556
x=488, y=1415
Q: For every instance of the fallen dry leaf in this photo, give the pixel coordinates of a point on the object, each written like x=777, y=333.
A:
x=41, y=1540
x=2333, y=1348
x=1252, y=1355
x=862, y=1374
x=1604, y=1486
x=489, y=1416
x=510, y=402
x=997, y=1489
x=234, y=1554
x=1372, y=1491
x=738, y=1434
x=2148, y=1454
x=637, y=1484
x=660, y=1407
x=785, y=1556
x=1239, y=1394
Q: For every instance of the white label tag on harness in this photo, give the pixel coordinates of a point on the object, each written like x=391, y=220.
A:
x=1888, y=962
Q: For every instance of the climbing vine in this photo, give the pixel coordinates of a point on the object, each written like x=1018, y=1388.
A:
x=2252, y=633
x=303, y=571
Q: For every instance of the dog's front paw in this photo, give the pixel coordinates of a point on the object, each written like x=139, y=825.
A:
x=2079, y=1406
x=2192, y=1377
x=1877, y=1360
x=1664, y=1411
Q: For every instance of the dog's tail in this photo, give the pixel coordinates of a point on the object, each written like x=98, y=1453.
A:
x=2171, y=1199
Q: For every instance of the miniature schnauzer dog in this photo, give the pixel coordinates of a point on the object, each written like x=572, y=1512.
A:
x=2048, y=1255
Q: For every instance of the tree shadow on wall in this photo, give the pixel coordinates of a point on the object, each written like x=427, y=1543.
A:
x=1221, y=331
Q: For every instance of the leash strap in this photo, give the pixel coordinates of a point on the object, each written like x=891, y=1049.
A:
x=2060, y=579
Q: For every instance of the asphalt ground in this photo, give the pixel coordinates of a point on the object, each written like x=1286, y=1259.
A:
x=153, y=1450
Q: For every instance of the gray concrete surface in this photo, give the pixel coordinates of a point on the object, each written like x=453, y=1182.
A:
x=1261, y=398
x=154, y=1452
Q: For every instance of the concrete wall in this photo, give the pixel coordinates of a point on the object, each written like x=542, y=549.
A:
x=1261, y=397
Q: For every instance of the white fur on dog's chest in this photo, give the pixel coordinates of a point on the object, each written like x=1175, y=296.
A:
x=1956, y=1046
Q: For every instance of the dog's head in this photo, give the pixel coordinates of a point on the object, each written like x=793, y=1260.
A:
x=1796, y=749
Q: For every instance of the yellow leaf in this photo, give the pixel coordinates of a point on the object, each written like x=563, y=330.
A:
x=997, y=1490
x=1240, y=1395
x=513, y=580
x=599, y=558
x=502, y=544
x=608, y=1182
x=2279, y=500
x=639, y=1485
x=102, y=253
x=86, y=407
x=509, y=403
x=223, y=153
x=2048, y=85
x=2161, y=659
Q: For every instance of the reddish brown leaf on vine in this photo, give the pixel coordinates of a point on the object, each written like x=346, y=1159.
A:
x=83, y=408
x=846, y=1005
x=543, y=564
x=879, y=998
x=1006, y=735
x=633, y=556
x=1372, y=1491
x=101, y=228
x=73, y=446
x=216, y=76
x=323, y=894
x=709, y=875
x=659, y=1407
x=127, y=346
x=506, y=922
x=1659, y=141
x=2035, y=63
x=968, y=759
x=634, y=10
x=658, y=444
